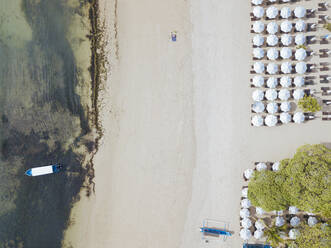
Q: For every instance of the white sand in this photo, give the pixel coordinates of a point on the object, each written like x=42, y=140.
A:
x=177, y=127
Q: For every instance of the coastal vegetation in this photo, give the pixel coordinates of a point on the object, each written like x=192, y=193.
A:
x=309, y=104
x=327, y=26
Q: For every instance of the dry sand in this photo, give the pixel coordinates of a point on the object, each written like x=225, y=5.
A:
x=177, y=126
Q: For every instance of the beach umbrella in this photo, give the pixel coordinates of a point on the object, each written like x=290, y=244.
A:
x=246, y=223
x=258, y=67
x=300, y=39
x=249, y=172
x=293, y=233
x=259, y=211
x=279, y=221
x=275, y=166
x=272, y=108
x=272, y=54
x=244, y=213
x=272, y=68
x=258, y=81
x=258, y=107
x=272, y=82
x=257, y=121
x=293, y=210
x=272, y=1
x=258, y=11
x=298, y=117
x=271, y=120
x=244, y=192
x=299, y=81
x=286, y=26
x=284, y=94
x=258, y=27
x=261, y=166
x=285, y=81
x=285, y=106
x=245, y=234
x=272, y=27
x=286, y=1
x=258, y=53
x=295, y=221
x=257, y=2
x=301, y=67
x=300, y=12
x=300, y=54
x=286, y=52
x=286, y=39
x=258, y=40
x=286, y=67
x=300, y=25
x=258, y=234
x=285, y=118
x=272, y=40
x=272, y=12
x=271, y=94
x=257, y=95
x=259, y=224
x=285, y=12
x=312, y=221
x=298, y=94
x=245, y=203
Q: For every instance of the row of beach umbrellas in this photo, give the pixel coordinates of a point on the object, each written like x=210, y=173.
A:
x=285, y=53
x=286, y=67
x=285, y=26
x=272, y=94
x=271, y=107
x=272, y=12
x=273, y=40
x=272, y=120
x=273, y=82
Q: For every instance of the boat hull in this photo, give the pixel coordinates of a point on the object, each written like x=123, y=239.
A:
x=43, y=170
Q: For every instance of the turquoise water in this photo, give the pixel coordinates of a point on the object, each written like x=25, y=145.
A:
x=45, y=116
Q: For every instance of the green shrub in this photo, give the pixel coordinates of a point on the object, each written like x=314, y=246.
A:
x=309, y=104
x=327, y=26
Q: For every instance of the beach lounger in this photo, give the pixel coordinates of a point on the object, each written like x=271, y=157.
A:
x=322, y=7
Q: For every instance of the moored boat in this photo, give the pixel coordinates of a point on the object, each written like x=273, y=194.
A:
x=43, y=170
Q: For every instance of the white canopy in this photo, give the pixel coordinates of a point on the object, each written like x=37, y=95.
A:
x=259, y=224
x=284, y=118
x=272, y=54
x=245, y=203
x=299, y=81
x=272, y=27
x=312, y=221
x=258, y=107
x=293, y=210
x=293, y=233
x=300, y=39
x=258, y=81
x=258, y=40
x=258, y=234
x=258, y=27
x=299, y=117
x=272, y=82
x=279, y=221
x=259, y=67
x=295, y=221
x=286, y=26
x=286, y=52
x=257, y=95
x=285, y=12
x=257, y=2
x=246, y=223
x=271, y=120
x=259, y=211
x=285, y=106
x=284, y=94
x=244, y=213
x=257, y=121
x=258, y=53
x=272, y=108
x=300, y=12
x=300, y=25
x=258, y=11
x=272, y=12
x=244, y=192
x=272, y=40
x=301, y=67
x=285, y=81
x=261, y=166
x=286, y=39
x=300, y=54
x=275, y=166
x=271, y=94
x=272, y=68
x=298, y=94
x=286, y=67
x=245, y=234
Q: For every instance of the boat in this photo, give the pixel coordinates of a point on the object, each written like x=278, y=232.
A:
x=43, y=170
x=214, y=231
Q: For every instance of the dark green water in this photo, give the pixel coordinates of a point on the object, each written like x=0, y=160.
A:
x=45, y=105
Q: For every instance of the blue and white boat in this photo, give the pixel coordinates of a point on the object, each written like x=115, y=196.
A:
x=43, y=170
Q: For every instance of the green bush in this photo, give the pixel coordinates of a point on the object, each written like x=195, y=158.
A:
x=309, y=104
x=327, y=26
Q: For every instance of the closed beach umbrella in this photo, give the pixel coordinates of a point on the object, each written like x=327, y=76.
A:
x=300, y=54
x=286, y=26
x=257, y=121
x=259, y=211
x=246, y=223
x=245, y=234
x=258, y=81
x=279, y=221
x=293, y=233
x=301, y=67
x=286, y=52
x=272, y=68
x=261, y=166
x=257, y=2
x=299, y=81
x=244, y=192
x=258, y=234
x=293, y=210
x=245, y=203
x=272, y=12
x=259, y=224
x=258, y=40
x=272, y=54
x=285, y=12
x=258, y=53
x=285, y=106
x=244, y=213
x=312, y=221
x=295, y=221
x=286, y=39
x=300, y=12
x=258, y=27
x=249, y=172
x=285, y=81
x=271, y=94
x=300, y=25
x=257, y=95
x=298, y=117
x=272, y=108
x=284, y=94
x=272, y=82
x=300, y=39
x=272, y=28
x=258, y=107
x=272, y=40
x=275, y=166
x=258, y=11
x=298, y=94
x=286, y=67
x=258, y=67
x=271, y=120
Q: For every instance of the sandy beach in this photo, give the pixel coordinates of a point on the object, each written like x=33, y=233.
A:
x=177, y=133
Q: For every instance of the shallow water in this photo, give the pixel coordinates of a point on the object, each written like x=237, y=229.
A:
x=45, y=107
